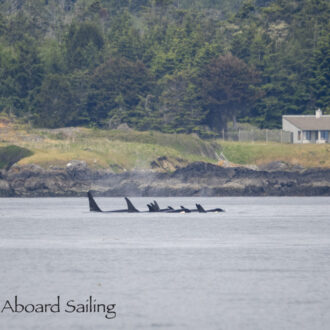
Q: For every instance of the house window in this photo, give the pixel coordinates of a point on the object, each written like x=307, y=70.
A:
x=308, y=135
x=325, y=135
x=299, y=135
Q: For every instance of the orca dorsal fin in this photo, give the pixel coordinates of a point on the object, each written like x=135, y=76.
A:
x=93, y=207
x=131, y=208
x=151, y=208
x=156, y=206
x=200, y=208
x=185, y=209
x=170, y=208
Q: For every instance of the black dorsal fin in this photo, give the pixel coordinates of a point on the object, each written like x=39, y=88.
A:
x=151, y=207
x=130, y=206
x=185, y=209
x=156, y=206
x=93, y=207
x=200, y=208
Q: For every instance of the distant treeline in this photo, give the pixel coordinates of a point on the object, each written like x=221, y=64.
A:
x=168, y=65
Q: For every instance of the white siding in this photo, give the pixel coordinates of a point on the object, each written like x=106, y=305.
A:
x=287, y=126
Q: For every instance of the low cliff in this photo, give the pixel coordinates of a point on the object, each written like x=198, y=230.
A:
x=196, y=179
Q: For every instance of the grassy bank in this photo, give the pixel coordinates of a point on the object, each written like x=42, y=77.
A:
x=119, y=150
x=307, y=155
x=128, y=149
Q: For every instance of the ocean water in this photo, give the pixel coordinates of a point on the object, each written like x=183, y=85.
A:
x=264, y=264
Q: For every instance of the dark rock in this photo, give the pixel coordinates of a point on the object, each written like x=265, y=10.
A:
x=78, y=170
x=196, y=179
x=5, y=189
x=168, y=164
x=280, y=166
x=124, y=127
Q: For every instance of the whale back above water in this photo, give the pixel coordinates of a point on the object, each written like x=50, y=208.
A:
x=93, y=207
x=152, y=207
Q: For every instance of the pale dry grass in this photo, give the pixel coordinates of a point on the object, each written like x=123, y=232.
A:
x=104, y=149
x=129, y=149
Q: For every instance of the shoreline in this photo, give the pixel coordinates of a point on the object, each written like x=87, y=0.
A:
x=196, y=179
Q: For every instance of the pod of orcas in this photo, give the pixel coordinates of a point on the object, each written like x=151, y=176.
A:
x=152, y=207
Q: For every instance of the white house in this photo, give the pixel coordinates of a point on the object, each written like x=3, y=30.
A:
x=308, y=128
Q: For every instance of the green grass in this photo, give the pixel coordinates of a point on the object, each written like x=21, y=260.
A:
x=119, y=150
x=128, y=149
x=307, y=155
x=183, y=143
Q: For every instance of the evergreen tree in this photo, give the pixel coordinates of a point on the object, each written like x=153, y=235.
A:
x=21, y=75
x=229, y=88
x=106, y=54
x=84, y=42
x=116, y=89
x=56, y=104
x=181, y=104
x=320, y=80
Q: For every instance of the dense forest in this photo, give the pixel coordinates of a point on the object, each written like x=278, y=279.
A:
x=168, y=65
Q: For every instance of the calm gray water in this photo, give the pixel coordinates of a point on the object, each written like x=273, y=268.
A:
x=264, y=264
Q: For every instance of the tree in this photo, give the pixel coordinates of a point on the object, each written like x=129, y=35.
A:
x=320, y=80
x=124, y=38
x=246, y=9
x=180, y=104
x=178, y=41
x=21, y=75
x=83, y=43
x=56, y=104
x=229, y=88
x=117, y=87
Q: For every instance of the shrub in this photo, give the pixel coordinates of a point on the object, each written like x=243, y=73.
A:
x=11, y=154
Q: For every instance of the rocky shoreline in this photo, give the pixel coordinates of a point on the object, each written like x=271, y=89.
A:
x=196, y=179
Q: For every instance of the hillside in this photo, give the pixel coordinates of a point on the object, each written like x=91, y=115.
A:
x=118, y=150
x=163, y=65
x=126, y=150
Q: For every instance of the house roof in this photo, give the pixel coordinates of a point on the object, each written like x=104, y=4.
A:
x=310, y=123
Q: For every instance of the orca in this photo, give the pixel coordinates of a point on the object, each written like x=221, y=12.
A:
x=201, y=209
x=156, y=207
x=93, y=207
x=169, y=209
x=131, y=208
x=152, y=207
x=185, y=209
x=182, y=209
